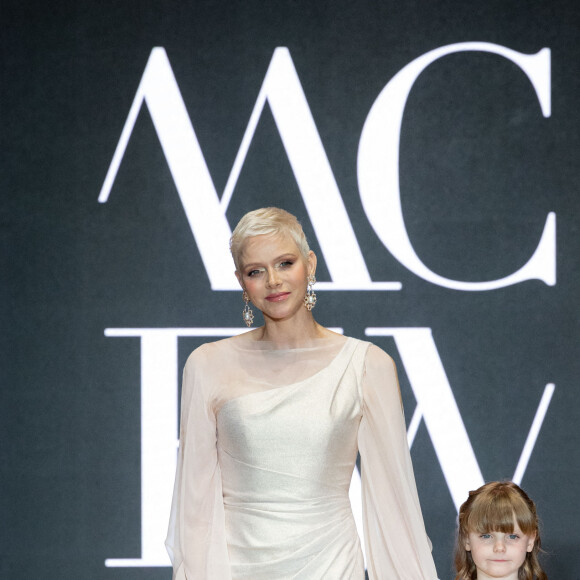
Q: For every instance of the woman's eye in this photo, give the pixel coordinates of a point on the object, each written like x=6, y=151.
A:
x=286, y=264
x=253, y=273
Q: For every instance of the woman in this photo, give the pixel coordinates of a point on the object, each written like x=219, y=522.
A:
x=271, y=422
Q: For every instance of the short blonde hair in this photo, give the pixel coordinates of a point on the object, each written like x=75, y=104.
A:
x=266, y=221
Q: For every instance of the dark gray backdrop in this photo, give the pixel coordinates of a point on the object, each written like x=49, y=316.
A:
x=480, y=169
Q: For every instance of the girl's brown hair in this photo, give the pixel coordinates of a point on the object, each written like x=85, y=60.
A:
x=496, y=507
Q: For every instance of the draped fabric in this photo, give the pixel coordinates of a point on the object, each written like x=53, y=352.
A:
x=268, y=443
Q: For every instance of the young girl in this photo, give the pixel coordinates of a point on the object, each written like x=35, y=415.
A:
x=498, y=535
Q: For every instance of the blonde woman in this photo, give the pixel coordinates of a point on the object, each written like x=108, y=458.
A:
x=271, y=423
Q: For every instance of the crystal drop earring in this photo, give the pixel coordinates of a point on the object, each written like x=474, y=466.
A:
x=310, y=298
x=247, y=314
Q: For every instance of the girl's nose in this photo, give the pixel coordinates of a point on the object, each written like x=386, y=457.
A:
x=499, y=545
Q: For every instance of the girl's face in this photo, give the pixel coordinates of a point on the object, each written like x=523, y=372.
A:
x=498, y=555
x=274, y=273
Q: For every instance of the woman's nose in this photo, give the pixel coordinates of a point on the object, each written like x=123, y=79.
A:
x=273, y=278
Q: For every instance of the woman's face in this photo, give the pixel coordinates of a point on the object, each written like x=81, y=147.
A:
x=274, y=273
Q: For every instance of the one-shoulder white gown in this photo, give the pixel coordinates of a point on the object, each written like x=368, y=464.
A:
x=268, y=444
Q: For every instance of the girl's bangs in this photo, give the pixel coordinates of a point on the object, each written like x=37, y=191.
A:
x=501, y=514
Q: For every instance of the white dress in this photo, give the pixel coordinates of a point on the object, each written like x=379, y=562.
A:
x=268, y=443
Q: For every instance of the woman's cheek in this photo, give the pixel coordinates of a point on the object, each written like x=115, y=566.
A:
x=252, y=283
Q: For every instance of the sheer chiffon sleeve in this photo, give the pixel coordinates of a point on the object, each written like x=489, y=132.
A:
x=397, y=546
x=196, y=540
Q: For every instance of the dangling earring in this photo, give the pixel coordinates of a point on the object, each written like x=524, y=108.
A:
x=247, y=313
x=310, y=298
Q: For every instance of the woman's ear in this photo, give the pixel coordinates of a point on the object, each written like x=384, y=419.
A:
x=312, y=261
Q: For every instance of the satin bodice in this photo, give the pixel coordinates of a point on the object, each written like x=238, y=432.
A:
x=286, y=458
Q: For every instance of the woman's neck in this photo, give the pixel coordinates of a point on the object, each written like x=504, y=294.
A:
x=292, y=333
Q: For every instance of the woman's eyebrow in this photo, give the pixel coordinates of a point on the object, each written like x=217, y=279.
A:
x=253, y=264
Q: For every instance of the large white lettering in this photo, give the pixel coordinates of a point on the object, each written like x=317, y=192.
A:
x=159, y=404
x=205, y=212
x=159, y=383
x=158, y=89
x=378, y=167
x=437, y=407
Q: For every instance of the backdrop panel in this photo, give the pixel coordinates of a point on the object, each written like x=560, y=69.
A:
x=431, y=151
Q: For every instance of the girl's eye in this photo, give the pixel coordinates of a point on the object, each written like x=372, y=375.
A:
x=513, y=536
x=485, y=536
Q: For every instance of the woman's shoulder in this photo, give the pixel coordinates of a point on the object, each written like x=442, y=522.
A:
x=208, y=351
x=372, y=348
x=375, y=356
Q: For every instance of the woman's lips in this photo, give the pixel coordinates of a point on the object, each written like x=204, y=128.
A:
x=278, y=297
